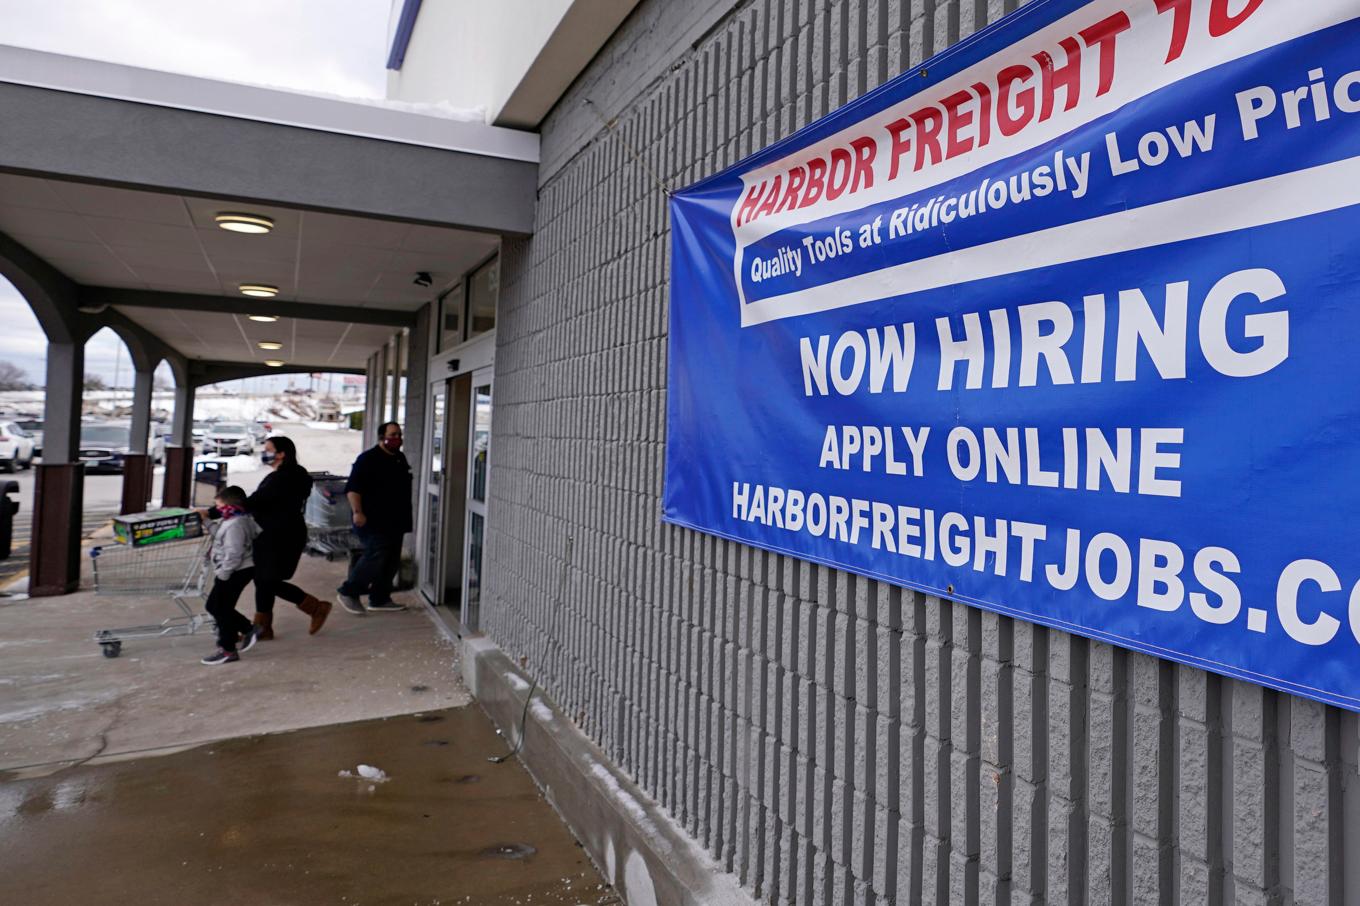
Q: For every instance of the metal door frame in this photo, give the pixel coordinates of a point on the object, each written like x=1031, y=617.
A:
x=432, y=575
x=482, y=377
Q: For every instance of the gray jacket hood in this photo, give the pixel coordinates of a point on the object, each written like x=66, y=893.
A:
x=232, y=542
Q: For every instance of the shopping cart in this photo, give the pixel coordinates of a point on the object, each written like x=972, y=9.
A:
x=331, y=543
x=328, y=517
x=179, y=570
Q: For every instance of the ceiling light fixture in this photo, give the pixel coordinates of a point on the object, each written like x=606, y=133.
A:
x=264, y=319
x=244, y=223
x=259, y=290
x=269, y=345
x=423, y=278
x=274, y=363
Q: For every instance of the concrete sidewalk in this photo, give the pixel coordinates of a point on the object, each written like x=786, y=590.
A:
x=62, y=701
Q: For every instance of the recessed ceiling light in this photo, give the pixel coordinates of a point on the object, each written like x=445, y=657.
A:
x=269, y=344
x=264, y=319
x=245, y=223
x=259, y=290
x=274, y=363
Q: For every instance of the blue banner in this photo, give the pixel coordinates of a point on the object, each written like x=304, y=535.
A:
x=1065, y=324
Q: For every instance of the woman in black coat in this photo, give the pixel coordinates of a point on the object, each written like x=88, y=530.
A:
x=277, y=506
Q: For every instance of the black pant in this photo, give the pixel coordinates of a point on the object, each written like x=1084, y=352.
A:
x=276, y=559
x=376, y=567
x=222, y=605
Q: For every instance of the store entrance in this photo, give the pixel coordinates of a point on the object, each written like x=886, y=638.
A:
x=456, y=482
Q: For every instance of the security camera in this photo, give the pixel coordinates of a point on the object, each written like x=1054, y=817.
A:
x=423, y=278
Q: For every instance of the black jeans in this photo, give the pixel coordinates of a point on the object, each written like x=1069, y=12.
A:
x=276, y=559
x=376, y=568
x=222, y=605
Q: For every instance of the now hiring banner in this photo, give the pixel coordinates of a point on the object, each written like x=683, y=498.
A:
x=1064, y=323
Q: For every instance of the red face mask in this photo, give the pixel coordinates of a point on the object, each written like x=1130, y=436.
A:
x=392, y=443
x=228, y=511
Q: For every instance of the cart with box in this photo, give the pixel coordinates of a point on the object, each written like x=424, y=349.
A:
x=161, y=553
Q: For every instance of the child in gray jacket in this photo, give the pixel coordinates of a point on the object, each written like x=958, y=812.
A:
x=233, y=569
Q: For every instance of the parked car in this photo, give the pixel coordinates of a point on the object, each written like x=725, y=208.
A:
x=105, y=445
x=228, y=439
x=16, y=447
x=199, y=431
x=260, y=430
x=34, y=429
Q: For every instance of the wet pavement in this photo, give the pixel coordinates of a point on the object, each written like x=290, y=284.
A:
x=271, y=820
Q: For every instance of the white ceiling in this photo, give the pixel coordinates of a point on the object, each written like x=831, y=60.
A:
x=219, y=336
x=105, y=236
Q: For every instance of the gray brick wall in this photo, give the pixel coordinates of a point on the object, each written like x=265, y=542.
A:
x=828, y=738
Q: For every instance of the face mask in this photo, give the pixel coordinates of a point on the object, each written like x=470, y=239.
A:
x=392, y=443
x=268, y=458
x=228, y=511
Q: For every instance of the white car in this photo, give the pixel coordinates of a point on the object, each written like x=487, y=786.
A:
x=16, y=447
x=228, y=439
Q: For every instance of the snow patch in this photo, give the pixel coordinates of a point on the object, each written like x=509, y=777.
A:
x=516, y=682
x=440, y=109
x=542, y=713
x=369, y=772
x=366, y=772
x=630, y=804
x=18, y=715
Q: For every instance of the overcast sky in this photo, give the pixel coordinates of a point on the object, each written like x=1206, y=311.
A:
x=332, y=46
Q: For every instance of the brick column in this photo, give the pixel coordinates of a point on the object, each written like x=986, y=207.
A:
x=179, y=474
x=54, y=558
x=138, y=474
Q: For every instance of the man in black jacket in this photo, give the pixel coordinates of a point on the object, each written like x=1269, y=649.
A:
x=379, y=491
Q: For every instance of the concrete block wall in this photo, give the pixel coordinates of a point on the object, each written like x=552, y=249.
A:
x=827, y=738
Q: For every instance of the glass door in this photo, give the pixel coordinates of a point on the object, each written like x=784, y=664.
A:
x=479, y=450
x=430, y=583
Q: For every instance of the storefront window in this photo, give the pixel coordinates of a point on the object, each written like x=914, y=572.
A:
x=469, y=309
x=451, y=311
x=483, y=290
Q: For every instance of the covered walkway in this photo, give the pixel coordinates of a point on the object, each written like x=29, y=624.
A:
x=65, y=703
x=232, y=232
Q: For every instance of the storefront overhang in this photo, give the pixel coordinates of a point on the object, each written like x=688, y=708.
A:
x=113, y=177
x=114, y=185
x=76, y=119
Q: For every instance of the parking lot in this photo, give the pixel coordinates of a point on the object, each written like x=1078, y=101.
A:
x=319, y=449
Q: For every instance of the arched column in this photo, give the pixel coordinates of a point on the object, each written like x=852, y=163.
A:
x=176, y=490
x=59, y=481
x=144, y=350
x=147, y=351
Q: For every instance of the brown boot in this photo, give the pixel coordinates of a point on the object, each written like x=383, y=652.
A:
x=318, y=610
x=265, y=624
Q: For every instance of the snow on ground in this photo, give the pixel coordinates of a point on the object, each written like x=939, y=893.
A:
x=326, y=450
x=247, y=407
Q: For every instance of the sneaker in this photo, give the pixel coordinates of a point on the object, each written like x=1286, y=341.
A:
x=386, y=607
x=351, y=604
x=248, y=639
x=220, y=656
